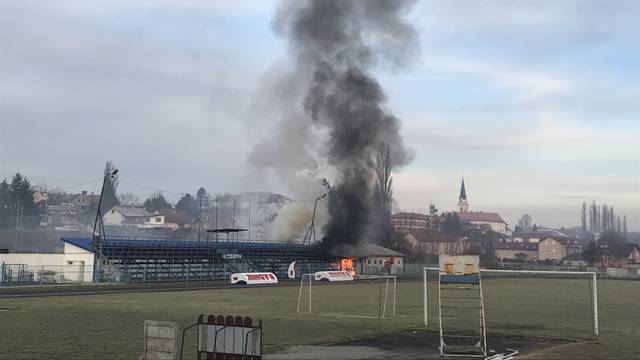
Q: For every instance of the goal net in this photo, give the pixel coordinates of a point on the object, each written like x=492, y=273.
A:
x=528, y=303
x=366, y=297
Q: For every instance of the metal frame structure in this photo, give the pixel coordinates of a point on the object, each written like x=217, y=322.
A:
x=382, y=300
x=459, y=341
x=592, y=276
x=236, y=333
x=138, y=260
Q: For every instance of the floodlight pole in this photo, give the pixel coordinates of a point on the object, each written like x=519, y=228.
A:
x=311, y=231
x=96, y=241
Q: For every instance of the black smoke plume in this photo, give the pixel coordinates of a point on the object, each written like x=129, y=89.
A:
x=337, y=43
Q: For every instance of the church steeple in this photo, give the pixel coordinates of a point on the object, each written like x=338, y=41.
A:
x=463, y=204
x=463, y=193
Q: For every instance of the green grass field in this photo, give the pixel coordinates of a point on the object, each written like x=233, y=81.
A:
x=110, y=326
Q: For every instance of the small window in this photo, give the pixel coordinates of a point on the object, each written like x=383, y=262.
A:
x=369, y=261
x=158, y=219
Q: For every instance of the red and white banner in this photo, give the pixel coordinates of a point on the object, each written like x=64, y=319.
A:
x=334, y=276
x=254, y=278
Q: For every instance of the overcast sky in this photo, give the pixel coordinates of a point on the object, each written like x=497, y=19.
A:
x=535, y=103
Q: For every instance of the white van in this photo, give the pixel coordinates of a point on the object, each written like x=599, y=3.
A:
x=253, y=278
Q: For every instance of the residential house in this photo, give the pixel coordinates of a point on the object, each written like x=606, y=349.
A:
x=520, y=251
x=535, y=236
x=120, y=215
x=621, y=256
x=83, y=201
x=557, y=247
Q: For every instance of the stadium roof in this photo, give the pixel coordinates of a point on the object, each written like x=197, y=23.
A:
x=366, y=250
x=85, y=243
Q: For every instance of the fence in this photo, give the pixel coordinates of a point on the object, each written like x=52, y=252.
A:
x=23, y=274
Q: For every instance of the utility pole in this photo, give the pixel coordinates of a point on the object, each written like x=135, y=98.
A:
x=233, y=217
x=217, y=206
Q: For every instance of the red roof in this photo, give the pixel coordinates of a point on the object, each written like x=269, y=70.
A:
x=515, y=246
x=481, y=216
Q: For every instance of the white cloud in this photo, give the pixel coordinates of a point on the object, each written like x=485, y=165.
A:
x=528, y=83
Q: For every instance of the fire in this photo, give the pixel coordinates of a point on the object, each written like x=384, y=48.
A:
x=346, y=264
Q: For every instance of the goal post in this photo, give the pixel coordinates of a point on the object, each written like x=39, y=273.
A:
x=383, y=287
x=590, y=275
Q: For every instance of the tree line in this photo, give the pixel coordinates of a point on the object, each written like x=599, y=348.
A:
x=597, y=219
x=19, y=198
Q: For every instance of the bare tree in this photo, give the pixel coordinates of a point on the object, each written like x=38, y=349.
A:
x=128, y=199
x=384, y=193
x=525, y=222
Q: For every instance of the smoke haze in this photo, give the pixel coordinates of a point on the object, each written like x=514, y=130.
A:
x=335, y=45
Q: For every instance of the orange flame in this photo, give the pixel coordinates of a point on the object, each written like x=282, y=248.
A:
x=346, y=264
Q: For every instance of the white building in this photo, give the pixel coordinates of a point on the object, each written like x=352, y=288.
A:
x=119, y=215
x=74, y=265
x=488, y=220
x=137, y=216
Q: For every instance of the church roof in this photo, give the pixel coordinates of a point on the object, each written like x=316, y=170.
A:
x=463, y=193
x=481, y=216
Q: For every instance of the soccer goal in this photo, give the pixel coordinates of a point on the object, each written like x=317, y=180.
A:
x=547, y=299
x=364, y=297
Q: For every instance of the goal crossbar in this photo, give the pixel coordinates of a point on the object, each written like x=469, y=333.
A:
x=382, y=306
x=592, y=275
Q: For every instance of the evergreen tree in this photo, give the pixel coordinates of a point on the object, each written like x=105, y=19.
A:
x=591, y=253
x=593, y=217
x=188, y=204
x=4, y=205
x=452, y=225
x=612, y=219
x=19, y=206
x=156, y=202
